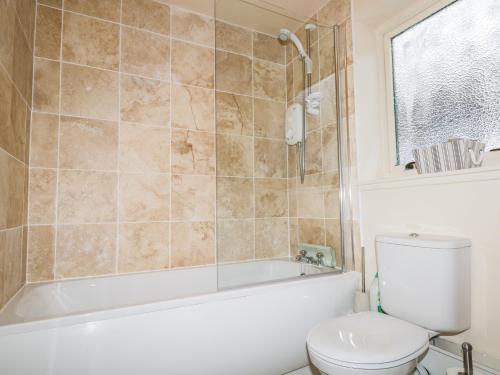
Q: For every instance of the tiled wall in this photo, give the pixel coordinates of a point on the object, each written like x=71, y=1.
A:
x=17, y=20
x=252, y=193
x=314, y=205
x=138, y=120
x=122, y=173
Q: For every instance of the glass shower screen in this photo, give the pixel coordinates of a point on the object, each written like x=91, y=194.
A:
x=270, y=225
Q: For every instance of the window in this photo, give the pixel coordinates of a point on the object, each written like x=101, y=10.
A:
x=446, y=77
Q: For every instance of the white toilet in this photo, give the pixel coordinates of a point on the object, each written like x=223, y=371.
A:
x=424, y=286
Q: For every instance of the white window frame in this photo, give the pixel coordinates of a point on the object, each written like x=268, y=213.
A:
x=385, y=33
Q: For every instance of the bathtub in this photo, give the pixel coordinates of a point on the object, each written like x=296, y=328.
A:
x=172, y=322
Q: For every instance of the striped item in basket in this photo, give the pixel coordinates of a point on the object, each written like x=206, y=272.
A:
x=458, y=153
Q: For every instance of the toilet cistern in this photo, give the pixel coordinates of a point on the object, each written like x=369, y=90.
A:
x=424, y=289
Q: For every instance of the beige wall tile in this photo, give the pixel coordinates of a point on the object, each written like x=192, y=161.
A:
x=12, y=191
x=192, y=152
x=234, y=73
x=313, y=153
x=235, y=198
x=270, y=158
x=268, y=48
x=271, y=238
x=193, y=108
x=44, y=133
x=144, y=197
x=89, y=41
x=326, y=56
x=86, y=197
x=193, y=27
x=315, y=77
x=146, y=14
x=349, y=47
x=330, y=154
x=23, y=63
x=232, y=38
x=235, y=240
x=48, y=36
x=292, y=196
x=334, y=13
x=234, y=114
x=46, y=86
x=85, y=250
x=350, y=91
x=328, y=109
x=193, y=198
x=298, y=78
x=310, y=198
x=12, y=119
x=312, y=231
x=332, y=203
x=192, y=64
x=269, y=80
x=145, y=101
x=192, y=243
x=145, y=54
x=27, y=146
x=108, y=9
x=88, y=144
x=271, y=199
x=42, y=192
x=41, y=253
x=234, y=155
x=7, y=32
x=143, y=247
x=26, y=10
x=289, y=82
x=2, y=252
x=333, y=237
x=52, y=3
x=89, y=92
x=294, y=237
x=269, y=119
x=12, y=242
x=292, y=161
x=144, y=148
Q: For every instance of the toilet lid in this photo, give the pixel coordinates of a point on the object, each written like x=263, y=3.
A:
x=367, y=338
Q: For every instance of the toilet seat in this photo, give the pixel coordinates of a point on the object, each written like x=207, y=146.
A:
x=367, y=340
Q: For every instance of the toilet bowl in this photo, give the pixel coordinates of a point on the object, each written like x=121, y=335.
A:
x=366, y=343
x=424, y=287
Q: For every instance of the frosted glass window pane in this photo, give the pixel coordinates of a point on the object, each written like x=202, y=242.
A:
x=446, y=72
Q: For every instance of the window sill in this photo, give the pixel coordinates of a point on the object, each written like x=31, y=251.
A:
x=412, y=179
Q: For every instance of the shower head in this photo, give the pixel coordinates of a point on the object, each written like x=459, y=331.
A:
x=285, y=35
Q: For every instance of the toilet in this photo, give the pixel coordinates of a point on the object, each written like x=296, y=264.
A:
x=424, y=284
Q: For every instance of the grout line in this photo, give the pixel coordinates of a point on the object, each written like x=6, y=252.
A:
x=56, y=227
x=11, y=81
x=11, y=156
x=253, y=155
x=28, y=198
x=214, y=108
x=251, y=96
x=117, y=239
x=251, y=57
x=170, y=19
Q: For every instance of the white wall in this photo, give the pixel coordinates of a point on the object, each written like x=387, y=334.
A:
x=463, y=204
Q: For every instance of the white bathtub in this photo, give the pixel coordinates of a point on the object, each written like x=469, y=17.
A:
x=171, y=322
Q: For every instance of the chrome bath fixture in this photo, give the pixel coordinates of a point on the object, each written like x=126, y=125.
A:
x=284, y=36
